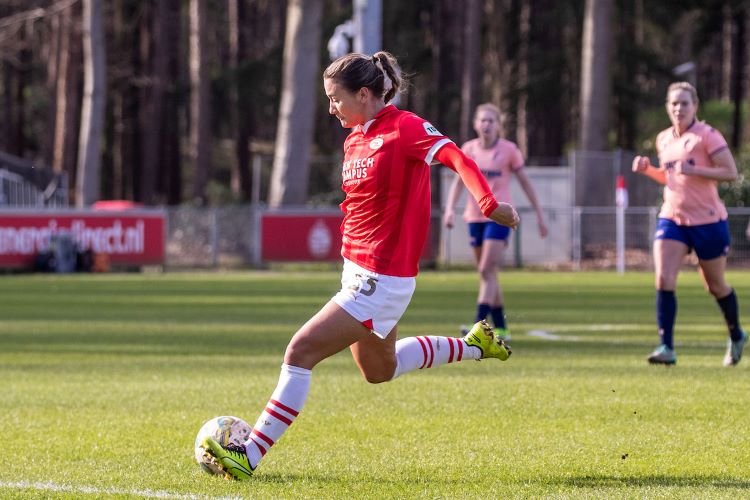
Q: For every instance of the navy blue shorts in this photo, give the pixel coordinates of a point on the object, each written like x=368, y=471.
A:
x=708, y=240
x=480, y=231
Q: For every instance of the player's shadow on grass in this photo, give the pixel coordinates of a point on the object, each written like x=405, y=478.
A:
x=610, y=481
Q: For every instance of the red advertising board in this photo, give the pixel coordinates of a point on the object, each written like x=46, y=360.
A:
x=295, y=236
x=135, y=237
x=307, y=236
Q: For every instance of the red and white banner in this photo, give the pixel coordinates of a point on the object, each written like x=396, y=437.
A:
x=291, y=236
x=135, y=237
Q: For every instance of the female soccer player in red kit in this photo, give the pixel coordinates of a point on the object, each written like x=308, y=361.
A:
x=386, y=178
x=693, y=156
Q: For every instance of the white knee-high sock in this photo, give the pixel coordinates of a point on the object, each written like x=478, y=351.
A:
x=281, y=410
x=431, y=351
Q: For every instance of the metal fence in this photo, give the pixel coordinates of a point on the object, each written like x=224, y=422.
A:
x=640, y=224
x=213, y=237
x=229, y=237
x=17, y=192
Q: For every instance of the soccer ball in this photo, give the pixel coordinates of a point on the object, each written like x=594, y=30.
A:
x=225, y=430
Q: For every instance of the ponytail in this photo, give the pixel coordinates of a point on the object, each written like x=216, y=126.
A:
x=379, y=73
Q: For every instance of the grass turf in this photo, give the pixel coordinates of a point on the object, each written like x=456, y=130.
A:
x=105, y=380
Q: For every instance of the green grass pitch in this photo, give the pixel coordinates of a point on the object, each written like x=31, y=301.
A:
x=106, y=379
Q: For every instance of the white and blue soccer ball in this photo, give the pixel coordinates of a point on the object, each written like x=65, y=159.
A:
x=225, y=429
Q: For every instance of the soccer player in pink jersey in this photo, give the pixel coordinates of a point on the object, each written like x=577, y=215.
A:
x=693, y=157
x=497, y=159
x=386, y=178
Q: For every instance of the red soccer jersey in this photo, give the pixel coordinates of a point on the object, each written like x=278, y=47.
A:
x=386, y=178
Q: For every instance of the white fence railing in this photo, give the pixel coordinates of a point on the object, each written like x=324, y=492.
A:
x=17, y=192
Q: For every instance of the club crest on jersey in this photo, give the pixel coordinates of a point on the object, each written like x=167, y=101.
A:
x=430, y=129
x=376, y=143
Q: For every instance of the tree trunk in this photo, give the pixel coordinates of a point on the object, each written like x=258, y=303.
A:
x=200, y=119
x=74, y=98
x=546, y=101
x=738, y=80
x=593, y=173
x=445, y=105
x=495, y=76
x=522, y=116
x=154, y=47
x=469, y=75
x=746, y=88
x=727, y=27
x=171, y=155
x=52, y=56
x=291, y=163
x=240, y=167
x=61, y=91
x=19, y=92
x=92, y=108
x=595, y=84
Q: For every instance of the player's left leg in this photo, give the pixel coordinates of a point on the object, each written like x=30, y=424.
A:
x=329, y=331
x=711, y=246
x=713, y=274
x=493, y=255
x=477, y=231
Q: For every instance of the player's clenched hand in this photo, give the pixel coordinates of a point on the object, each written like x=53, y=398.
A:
x=506, y=215
x=448, y=219
x=684, y=167
x=641, y=163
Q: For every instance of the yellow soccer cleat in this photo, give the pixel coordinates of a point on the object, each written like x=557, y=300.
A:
x=482, y=337
x=231, y=458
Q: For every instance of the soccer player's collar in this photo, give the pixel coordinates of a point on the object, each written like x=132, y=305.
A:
x=388, y=108
x=674, y=130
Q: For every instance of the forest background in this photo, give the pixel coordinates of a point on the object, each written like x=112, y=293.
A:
x=179, y=96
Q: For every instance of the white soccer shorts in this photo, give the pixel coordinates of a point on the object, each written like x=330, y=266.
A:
x=376, y=300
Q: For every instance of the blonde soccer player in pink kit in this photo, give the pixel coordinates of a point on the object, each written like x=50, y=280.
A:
x=498, y=160
x=386, y=178
x=693, y=157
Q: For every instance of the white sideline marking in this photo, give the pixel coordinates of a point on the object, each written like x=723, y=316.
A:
x=61, y=488
x=542, y=334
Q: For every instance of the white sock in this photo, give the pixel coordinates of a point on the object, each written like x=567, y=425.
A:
x=431, y=351
x=282, y=409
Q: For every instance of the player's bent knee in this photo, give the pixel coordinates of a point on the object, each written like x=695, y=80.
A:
x=718, y=290
x=377, y=378
x=488, y=272
x=377, y=375
x=298, y=353
x=666, y=282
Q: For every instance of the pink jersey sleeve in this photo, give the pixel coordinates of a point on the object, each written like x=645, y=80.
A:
x=714, y=141
x=419, y=139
